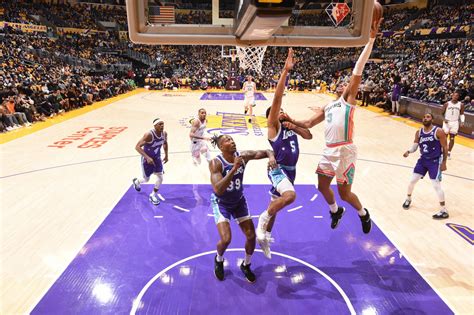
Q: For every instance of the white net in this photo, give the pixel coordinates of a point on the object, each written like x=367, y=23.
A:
x=251, y=58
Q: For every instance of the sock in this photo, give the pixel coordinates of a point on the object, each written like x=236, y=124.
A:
x=142, y=180
x=268, y=234
x=333, y=207
x=220, y=258
x=153, y=193
x=409, y=198
x=361, y=212
x=265, y=216
x=443, y=209
x=247, y=259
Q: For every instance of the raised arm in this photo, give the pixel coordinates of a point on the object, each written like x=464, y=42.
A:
x=219, y=182
x=139, y=147
x=351, y=90
x=317, y=117
x=273, y=117
x=303, y=132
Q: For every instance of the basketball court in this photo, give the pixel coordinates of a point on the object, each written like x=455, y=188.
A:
x=78, y=238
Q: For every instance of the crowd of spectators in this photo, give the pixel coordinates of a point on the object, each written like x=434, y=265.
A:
x=34, y=87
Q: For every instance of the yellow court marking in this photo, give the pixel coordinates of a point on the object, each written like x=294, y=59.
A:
x=19, y=133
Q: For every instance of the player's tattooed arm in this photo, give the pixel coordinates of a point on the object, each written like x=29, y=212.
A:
x=219, y=182
x=258, y=155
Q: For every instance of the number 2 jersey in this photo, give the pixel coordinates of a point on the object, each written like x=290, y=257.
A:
x=235, y=190
x=430, y=147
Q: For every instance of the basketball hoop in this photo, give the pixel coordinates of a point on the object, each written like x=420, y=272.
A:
x=251, y=57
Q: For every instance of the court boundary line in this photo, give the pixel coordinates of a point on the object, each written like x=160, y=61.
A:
x=415, y=267
x=25, y=131
x=187, y=152
x=115, y=203
x=136, y=302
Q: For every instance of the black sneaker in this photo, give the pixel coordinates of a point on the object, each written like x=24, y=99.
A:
x=406, y=204
x=250, y=120
x=136, y=184
x=336, y=217
x=366, y=222
x=441, y=215
x=218, y=269
x=249, y=275
x=245, y=112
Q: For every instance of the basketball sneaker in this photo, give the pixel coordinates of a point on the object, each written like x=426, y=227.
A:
x=441, y=215
x=262, y=235
x=154, y=199
x=249, y=275
x=136, y=184
x=336, y=217
x=219, y=269
x=366, y=222
x=406, y=204
x=449, y=155
x=265, y=246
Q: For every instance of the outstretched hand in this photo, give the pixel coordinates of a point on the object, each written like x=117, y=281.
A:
x=290, y=61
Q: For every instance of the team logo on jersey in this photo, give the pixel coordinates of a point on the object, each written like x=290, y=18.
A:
x=230, y=124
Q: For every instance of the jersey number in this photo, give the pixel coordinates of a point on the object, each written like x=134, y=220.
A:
x=425, y=148
x=329, y=118
x=234, y=185
x=293, y=146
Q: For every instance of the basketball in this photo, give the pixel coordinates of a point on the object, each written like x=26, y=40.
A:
x=378, y=11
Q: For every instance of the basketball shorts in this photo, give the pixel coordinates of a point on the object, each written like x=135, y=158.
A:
x=339, y=162
x=430, y=166
x=451, y=127
x=249, y=101
x=282, y=179
x=149, y=169
x=197, y=147
x=223, y=212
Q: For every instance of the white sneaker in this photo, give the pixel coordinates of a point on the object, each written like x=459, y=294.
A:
x=154, y=199
x=265, y=246
x=262, y=237
x=136, y=184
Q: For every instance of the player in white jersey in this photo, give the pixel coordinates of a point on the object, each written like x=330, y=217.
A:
x=453, y=111
x=339, y=156
x=249, y=88
x=198, y=140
